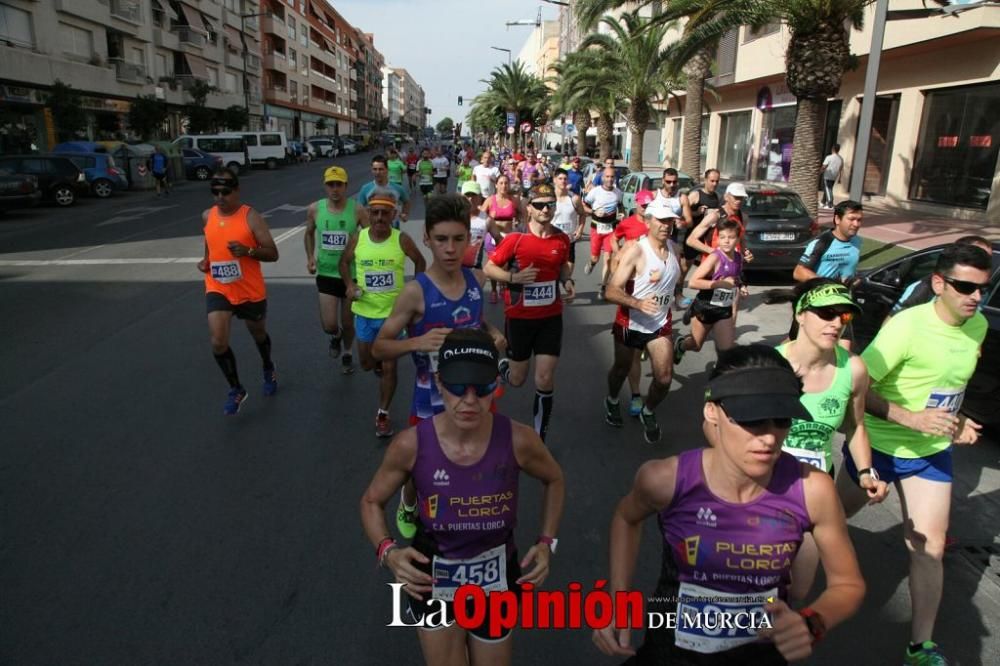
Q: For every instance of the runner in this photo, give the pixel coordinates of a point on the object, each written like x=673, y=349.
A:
x=330, y=223
x=479, y=226
x=731, y=208
x=835, y=252
x=723, y=499
x=529, y=172
x=575, y=176
x=486, y=174
x=236, y=241
x=598, y=179
x=379, y=255
x=463, y=174
x=919, y=364
x=533, y=264
x=670, y=193
x=643, y=318
x=453, y=459
x=714, y=308
x=411, y=168
x=502, y=209
x=442, y=167
x=159, y=166
x=569, y=215
x=396, y=168
x=425, y=173
x=602, y=204
x=380, y=173
x=700, y=201
x=920, y=291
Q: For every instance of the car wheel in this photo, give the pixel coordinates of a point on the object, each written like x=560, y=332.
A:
x=64, y=195
x=103, y=188
x=234, y=167
x=271, y=164
x=202, y=173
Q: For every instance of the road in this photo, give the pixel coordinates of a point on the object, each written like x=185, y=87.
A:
x=140, y=526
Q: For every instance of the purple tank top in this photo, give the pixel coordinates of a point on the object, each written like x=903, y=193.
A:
x=467, y=509
x=440, y=312
x=726, y=267
x=735, y=548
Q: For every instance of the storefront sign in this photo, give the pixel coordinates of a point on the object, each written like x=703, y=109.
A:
x=19, y=94
x=102, y=104
x=947, y=142
x=981, y=141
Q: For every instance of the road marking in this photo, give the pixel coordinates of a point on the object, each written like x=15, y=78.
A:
x=137, y=213
x=98, y=262
x=285, y=207
x=288, y=234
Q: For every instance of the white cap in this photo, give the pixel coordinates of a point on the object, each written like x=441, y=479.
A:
x=736, y=189
x=660, y=210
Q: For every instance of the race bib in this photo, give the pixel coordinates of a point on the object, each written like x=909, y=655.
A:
x=426, y=180
x=950, y=399
x=487, y=570
x=539, y=294
x=603, y=228
x=334, y=241
x=701, y=625
x=722, y=297
x=225, y=272
x=380, y=281
x=815, y=458
x=567, y=228
x=662, y=300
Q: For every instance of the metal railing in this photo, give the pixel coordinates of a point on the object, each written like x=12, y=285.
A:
x=128, y=71
x=130, y=10
x=188, y=35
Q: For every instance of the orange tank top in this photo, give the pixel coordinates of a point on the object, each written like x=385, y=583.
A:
x=239, y=279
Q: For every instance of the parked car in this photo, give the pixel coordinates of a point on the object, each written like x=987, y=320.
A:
x=879, y=288
x=648, y=180
x=59, y=179
x=350, y=148
x=199, y=165
x=231, y=148
x=18, y=191
x=324, y=147
x=101, y=172
x=267, y=148
x=591, y=169
x=778, y=225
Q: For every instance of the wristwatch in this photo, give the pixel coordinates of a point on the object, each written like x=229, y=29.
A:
x=551, y=542
x=868, y=470
x=250, y=253
x=815, y=624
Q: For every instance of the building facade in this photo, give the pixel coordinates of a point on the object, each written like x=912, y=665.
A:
x=404, y=101
x=111, y=51
x=541, y=49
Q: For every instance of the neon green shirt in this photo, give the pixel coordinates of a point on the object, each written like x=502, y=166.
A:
x=919, y=361
x=332, y=232
x=379, y=272
x=397, y=169
x=464, y=174
x=425, y=171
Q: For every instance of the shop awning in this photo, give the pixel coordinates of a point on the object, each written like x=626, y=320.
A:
x=191, y=15
x=197, y=66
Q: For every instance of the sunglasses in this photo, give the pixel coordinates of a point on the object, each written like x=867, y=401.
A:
x=670, y=182
x=224, y=191
x=831, y=313
x=542, y=205
x=470, y=195
x=459, y=390
x=965, y=287
x=758, y=424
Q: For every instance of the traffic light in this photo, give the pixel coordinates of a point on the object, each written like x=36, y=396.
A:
x=460, y=100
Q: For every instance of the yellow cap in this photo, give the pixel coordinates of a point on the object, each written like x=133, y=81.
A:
x=335, y=174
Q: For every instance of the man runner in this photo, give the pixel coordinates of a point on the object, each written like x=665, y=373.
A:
x=835, y=252
x=236, y=240
x=442, y=165
x=601, y=203
x=569, y=215
x=380, y=173
x=425, y=173
x=396, y=168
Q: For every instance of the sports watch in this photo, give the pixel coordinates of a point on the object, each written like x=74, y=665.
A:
x=551, y=542
x=814, y=623
x=868, y=470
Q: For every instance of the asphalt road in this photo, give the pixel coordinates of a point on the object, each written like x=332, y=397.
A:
x=140, y=526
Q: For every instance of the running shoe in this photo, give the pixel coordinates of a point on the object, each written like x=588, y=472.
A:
x=406, y=520
x=589, y=268
x=684, y=302
x=383, y=427
x=335, y=344
x=348, y=364
x=503, y=369
x=650, y=428
x=679, y=350
x=928, y=654
x=613, y=413
x=237, y=396
x=270, y=381
x=635, y=406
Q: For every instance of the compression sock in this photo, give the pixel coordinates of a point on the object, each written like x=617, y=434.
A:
x=543, y=412
x=265, y=352
x=227, y=363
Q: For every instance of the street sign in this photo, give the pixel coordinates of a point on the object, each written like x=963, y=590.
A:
x=511, y=119
x=570, y=128
x=525, y=127
x=510, y=130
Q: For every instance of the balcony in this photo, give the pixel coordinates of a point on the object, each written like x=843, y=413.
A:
x=354, y=74
x=272, y=23
x=275, y=60
x=128, y=10
x=129, y=72
x=276, y=92
x=166, y=39
x=188, y=36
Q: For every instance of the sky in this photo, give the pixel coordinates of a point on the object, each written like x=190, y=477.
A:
x=445, y=44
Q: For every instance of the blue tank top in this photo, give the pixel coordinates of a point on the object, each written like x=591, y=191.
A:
x=440, y=312
x=467, y=509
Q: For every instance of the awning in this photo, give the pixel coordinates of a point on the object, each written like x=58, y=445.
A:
x=233, y=35
x=197, y=66
x=165, y=7
x=191, y=15
x=209, y=26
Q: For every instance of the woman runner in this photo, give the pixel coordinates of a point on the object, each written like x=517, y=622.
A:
x=503, y=211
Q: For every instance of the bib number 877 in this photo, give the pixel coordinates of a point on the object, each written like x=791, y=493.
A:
x=477, y=573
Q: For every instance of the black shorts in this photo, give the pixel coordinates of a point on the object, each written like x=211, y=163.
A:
x=709, y=314
x=534, y=336
x=572, y=251
x=426, y=189
x=160, y=176
x=332, y=286
x=440, y=180
x=636, y=339
x=251, y=310
x=411, y=169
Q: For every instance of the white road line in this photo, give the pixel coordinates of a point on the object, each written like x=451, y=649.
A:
x=288, y=234
x=98, y=262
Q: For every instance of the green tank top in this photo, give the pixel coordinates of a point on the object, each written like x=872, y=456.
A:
x=332, y=232
x=812, y=441
x=379, y=272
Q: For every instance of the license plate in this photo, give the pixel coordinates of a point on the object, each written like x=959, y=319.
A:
x=778, y=236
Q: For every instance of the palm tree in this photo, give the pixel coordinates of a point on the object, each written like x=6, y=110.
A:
x=587, y=82
x=563, y=98
x=640, y=66
x=513, y=88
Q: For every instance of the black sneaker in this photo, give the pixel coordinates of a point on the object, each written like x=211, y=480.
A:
x=613, y=413
x=650, y=428
x=335, y=345
x=503, y=369
x=348, y=362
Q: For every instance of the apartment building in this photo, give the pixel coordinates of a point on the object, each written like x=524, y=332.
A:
x=541, y=49
x=114, y=50
x=369, y=84
x=392, y=97
x=404, y=100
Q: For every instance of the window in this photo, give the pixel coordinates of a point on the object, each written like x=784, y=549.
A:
x=76, y=41
x=222, y=145
x=15, y=26
x=138, y=56
x=291, y=27
x=230, y=85
x=213, y=76
x=750, y=34
x=270, y=139
x=293, y=88
x=83, y=162
x=291, y=59
x=734, y=146
x=251, y=139
x=304, y=38
x=161, y=65
x=190, y=153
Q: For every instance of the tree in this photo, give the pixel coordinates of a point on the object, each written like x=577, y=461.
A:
x=640, y=66
x=201, y=119
x=585, y=85
x=513, y=89
x=235, y=117
x=146, y=117
x=67, y=111
x=445, y=126
x=321, y=124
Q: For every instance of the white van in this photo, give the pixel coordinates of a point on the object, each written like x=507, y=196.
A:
x=267, y=148
x=232, y=148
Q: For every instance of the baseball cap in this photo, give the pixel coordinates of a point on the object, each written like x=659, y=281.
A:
x=542, y=191
x=753, y=394
x=471, y=186
x=825, y=295
x=736, y=189
x=643, y=197
x=468, y=356
x=335, y=174
x=660, y=210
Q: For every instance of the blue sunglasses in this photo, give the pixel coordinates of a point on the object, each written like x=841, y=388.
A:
x=482, y=390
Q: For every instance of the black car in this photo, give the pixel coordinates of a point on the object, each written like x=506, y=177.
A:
x=18, y=191
x=879, y=288
x=59, y=179
x=778, y=226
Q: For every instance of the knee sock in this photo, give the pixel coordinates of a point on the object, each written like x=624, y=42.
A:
x=543, y=412
x=227, y=363
x=265, y=352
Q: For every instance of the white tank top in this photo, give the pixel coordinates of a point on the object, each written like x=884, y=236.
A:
x=566, y=219
x=477, y=229
x=658, y=280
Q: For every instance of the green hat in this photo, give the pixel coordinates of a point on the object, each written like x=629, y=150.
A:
x=471, y=186
x=825, y=295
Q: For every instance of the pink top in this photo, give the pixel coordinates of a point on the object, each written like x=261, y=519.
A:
x=501, y=213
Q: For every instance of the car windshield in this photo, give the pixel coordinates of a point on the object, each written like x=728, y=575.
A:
x=775, y=204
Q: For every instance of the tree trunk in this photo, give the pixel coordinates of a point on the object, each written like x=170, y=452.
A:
x=581, y=118
x=637, y=120
x=806, y=156
x=696, y=71
x=605, y=132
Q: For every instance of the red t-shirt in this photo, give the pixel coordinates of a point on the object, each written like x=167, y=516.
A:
x=541, y=298
x=631, y=228
x=411, y=160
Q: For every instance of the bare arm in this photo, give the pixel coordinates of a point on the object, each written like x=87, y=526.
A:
x=411, y=250
x=346, y=259
x=701, y=280
x=536, y=461
x=803, y=273
x=407, y=309
x=859, y=445
x=203, y=264
x=630, y=264
x=309, y=238
x=694, y=238
x=266, y=249
x=686, y=211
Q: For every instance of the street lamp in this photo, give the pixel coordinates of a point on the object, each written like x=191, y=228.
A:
x=246, y=79
x=497, y=48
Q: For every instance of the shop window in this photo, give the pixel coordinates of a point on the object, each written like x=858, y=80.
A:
x=775, y=156
x=15, y=27
x=734, y=145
